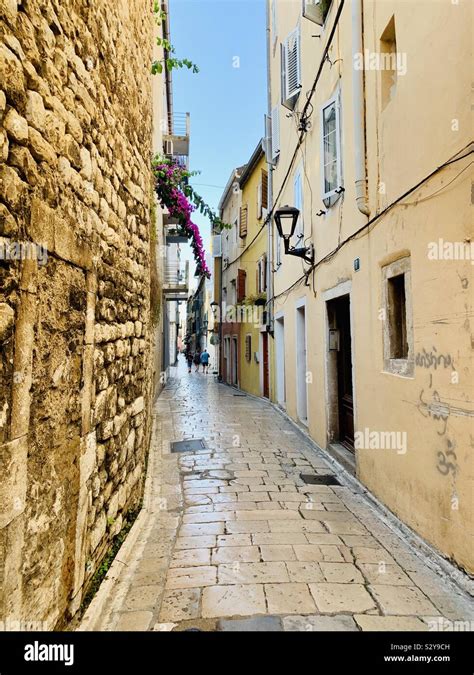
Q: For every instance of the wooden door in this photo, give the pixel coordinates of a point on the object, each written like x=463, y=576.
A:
x=344, y=374
x=265, y=365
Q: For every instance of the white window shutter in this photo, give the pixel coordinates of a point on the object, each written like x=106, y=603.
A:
x=217, y=246
x=267, y=146
x=298, y=201
x=275, y=132
x=292, y=64
x=283, y=59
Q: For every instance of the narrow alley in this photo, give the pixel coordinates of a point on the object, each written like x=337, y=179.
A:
x=232, y=537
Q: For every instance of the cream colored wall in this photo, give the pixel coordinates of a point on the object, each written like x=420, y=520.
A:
x=406, y=141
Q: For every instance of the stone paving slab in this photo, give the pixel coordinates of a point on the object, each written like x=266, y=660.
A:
x=257, y=624
x=243, y=544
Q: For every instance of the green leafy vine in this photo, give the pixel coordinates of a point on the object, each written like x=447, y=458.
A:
x=170, y=62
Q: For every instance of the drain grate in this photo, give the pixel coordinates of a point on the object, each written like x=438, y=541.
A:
x=189, y=445
x=322, y=479
x=239, y=394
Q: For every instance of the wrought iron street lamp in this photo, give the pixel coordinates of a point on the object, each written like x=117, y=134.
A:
x=286, y=218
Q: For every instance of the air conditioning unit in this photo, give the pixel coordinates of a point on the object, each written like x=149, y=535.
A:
x=168, y=147
x=217, y=246
x=316, y=10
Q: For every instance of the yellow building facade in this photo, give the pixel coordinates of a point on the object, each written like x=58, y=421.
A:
x=252, y=273
x=369, y=138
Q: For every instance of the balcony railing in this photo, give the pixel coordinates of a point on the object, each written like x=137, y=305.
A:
x=178, y=124
x=176, y=280
x=176, y=141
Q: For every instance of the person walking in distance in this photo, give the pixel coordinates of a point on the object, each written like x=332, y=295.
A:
x=197, y=359
x=205, y=361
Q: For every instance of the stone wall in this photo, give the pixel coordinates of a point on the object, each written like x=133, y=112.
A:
x=75, y=333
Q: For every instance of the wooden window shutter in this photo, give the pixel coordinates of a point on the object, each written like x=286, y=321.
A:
x=243, y=221
x=264, y=189
x=264, y=272
x=248, y=347
x=241, y=276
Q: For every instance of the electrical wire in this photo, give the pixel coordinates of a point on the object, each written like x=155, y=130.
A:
x=303, y=116
x=379, y=216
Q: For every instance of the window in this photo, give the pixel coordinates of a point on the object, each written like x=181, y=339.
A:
x=248, y=348
x=262, y=195
x=243, y=218
x=298, y=202
x=397, y=317
x=262, y=274
x=241, y=278
x=290, y=55
x=388, y=65
x=331, y=169
x=316, y=10
x=264, y=189
x=398, y=324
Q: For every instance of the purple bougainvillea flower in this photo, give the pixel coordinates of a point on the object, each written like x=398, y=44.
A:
x=179, y=206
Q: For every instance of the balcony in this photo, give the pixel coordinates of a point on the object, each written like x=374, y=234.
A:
x=176, y=280
x=176, y=141
x=171, y=226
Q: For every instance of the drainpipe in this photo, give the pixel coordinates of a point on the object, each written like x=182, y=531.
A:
x=270, y=312
x=358, y=86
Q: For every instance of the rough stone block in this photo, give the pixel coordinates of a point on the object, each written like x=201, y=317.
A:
x=16, y=126
x=11, y=75
x=12, y=189
x=35, y=111
x=40, y=148
x=13, y=470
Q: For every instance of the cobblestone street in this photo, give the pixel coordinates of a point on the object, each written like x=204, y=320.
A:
x=234, y=539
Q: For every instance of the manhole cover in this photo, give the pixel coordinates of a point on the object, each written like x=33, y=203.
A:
x=190, y=445
x=324, y=479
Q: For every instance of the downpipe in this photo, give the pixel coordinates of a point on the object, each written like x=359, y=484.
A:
x=359, y=111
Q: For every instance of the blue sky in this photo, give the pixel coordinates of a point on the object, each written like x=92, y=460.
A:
x=227, y=103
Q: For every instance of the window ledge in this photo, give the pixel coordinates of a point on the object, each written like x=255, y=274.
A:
x=401, y=367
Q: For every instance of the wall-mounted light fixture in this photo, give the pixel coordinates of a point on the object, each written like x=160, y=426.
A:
x=285, y=219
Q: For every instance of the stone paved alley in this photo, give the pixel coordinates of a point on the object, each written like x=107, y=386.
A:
x=231, y=538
